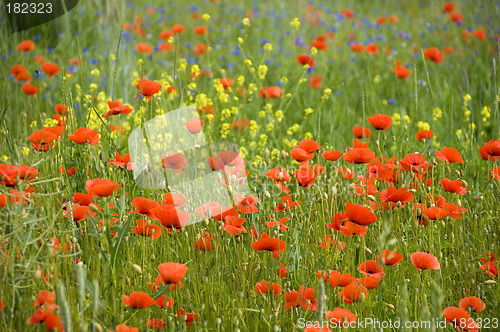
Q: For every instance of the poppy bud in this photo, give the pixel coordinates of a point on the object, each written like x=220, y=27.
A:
x=371, y=197
x=153, y=257
x=267, y=194
x=266, y=152
x=325, y=195
x=283, y=154
x=398, y=204
x=362, y=297
x=334, y=190
x=390, y=306
x=218, y=321
x=376, y=142
x=137, y=268
x=368, y=251
x=490, y=282
x=93, y=207
x=412, y=190
x=230, y=189
x=38, y=274
x=280, y=176
x=80, y=263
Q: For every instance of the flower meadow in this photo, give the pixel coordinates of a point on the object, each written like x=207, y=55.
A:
x=358, y=147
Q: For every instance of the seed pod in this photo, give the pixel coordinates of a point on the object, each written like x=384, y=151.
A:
x=137, y=268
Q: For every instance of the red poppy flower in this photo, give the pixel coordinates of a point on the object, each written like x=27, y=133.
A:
x=50, y=69
x=315, y=82
x=30, y=89
x=289, y=204
x=165, y=34
x=169, y=216
x=200, y=30
x=328, y=243
x=361, y=132
x=247, y=204
x=309, y=146
x=472, y=302
x=178, y=28
x=414, y=162
x=495, y=173
x=460, y=319
x=449, y=155
x=340, y=317
x=100, y=187
x=123, y=162
x=357, y=47
x=194, y=125
x=378, y=170
x=282, y=271
x=278, y=174
x=372, y=49
x=176, y=161
x=392, y=195
x=147, y=88
x=304, y=298
x=388, y=257
x=125, y=328
x=234, y=225
x=174, y=199
x=144, y=205
x=276, y=246
x=157, y=323
x=380, y=121
x=424, y=261
x=455, y=186
x=226, y=82
x=46, y=315
x=172, y=273
x=448, y=7
x=402, y=71
x=150, y=230
x=85, y=135
x=144, y=48
x=336, y=279
x=205, y=242
x=26, y=46
x=264, y=287
x=352, y=292
x=305, y=60
x=433, y=54
x=116, y=108
x=138, y=300
x=305, y=175
x=360, y=214
x=270, y=92
x=371, y=268
x=359, y=156
x=456, y=17
x=479, y=34
x=300, y=154
x=423, y=134
x=492, y=147
x=190, y=317
x=332, y=155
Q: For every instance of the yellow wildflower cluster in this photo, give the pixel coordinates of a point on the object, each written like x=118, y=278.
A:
x=262, y=71
x=423, y=125
x=437, y=113
x=293, y=129
x=295, y=23
x=485, y=113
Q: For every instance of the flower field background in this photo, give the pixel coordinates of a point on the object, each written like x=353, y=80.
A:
x=368, y=136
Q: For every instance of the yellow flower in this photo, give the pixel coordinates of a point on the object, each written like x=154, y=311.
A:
x=458, y=132
x=240, y=40
x=467, y=98
x=314, y=50
x=308, y=135
x=377, y=79
x=246, y=21
x=279, y=115
x=262, y=114
x=206, y=17
x=308, y=110
x=295, y=23
x=5, y=158
x=268, y=47
x=139, y=62
x=240, y=80
x=262, y=71
x=95, y=72
x=270, y=126
x=248, y=62
x=25, y=151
